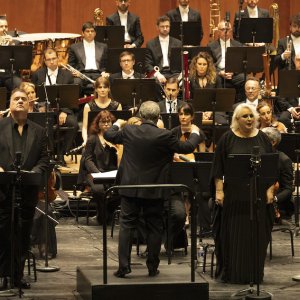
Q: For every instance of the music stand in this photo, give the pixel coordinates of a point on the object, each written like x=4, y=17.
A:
x=119, y=114
x=113, y=59
x=112, y=35
x=3, y=98
x=214, y=100
x=131, y=92
x=260, y=171
x=191, y=31
x=176, y=52
x=16, y=179
x=256, y=30
x=244, y=60
x=289, y=83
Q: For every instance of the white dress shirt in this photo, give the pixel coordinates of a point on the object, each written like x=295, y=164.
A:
x=253, y=103
x=51, y=76
x=221, y=64
x=173, y=104
x=184, y=12
x=123, y=19
x=128, y=76
x=253, y=12
x=164, y=43
x=90, y=55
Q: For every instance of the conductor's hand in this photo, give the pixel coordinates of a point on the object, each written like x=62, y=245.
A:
x=195, y=128
x=1, y=169
x=219, y=197
x=295, y=113
x=62, y=118
x=121, y=123
x=270, y=194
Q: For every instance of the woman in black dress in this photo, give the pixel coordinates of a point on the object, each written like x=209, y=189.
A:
x=236, y=260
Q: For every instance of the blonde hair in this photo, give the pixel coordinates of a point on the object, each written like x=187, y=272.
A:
x=237, y=114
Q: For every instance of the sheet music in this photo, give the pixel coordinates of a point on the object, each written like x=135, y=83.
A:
x=105, y=175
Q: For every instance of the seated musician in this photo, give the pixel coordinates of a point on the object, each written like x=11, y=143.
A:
x=51, y=74
x=182, y=132
x=203, y=75
x=29, y=88
x=159, y=51
x=102, y=101
x=127, y=61
x=133, y=35
x=283, y=195
x=100, y=156
x=5, y=75
x=267, y=119
x=88, y=57
x=218, y=48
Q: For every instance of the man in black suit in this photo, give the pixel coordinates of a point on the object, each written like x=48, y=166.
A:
x=171, y=103
x=133, y=34
x=160, y=51
x=251, y=11
x=18, y=134
x=283, y=196
x=148, y=152
x=183, y=13
x=218, y=49
x=88, y=57
x=51, y=74
x=289, y=46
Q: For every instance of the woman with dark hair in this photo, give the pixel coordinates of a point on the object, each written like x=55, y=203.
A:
x=100, y=156
x=102, y=101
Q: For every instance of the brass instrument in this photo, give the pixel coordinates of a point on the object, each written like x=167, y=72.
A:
x=98, y=17
x=3, y=40
x=268, y=83
x=214, y=18
x=274, y=13
x=81, y=75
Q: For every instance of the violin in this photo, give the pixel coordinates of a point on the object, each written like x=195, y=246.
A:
x=189, y=156
x=51, y=189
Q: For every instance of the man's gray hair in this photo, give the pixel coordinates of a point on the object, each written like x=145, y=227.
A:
x=273, y=134
x=150, y=111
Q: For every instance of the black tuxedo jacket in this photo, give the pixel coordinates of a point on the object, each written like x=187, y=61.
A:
x=133, y=27
x=262, y=13
x=162, y=105
x=286, y=103
x=63, y=76
x=193, y=16
x=283, y=64
x=154, y=57
x=148, y=152
x=216, y=49
x=34, y=158
x=77, y=57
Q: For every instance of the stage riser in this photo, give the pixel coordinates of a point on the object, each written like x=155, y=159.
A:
x=138, y=290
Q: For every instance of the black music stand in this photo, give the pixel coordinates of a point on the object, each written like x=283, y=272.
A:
x=188, y=32
x=15, y=58
x=113, y=59
x=111, y=35
x=244, y=60
x=214, y=100
x=3, y=97
x=176, y=52
x=260, y=171
x=289, y=83
x=131, y=92
x=16, y=179
x=256, y=30
x=119, y=114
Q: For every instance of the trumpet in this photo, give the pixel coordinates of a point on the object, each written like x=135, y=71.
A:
x=81, y=75
x=289, y=48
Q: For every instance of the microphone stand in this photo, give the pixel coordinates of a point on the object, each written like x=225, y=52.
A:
x=47, y=268
x=182, y=62
x=239, y=19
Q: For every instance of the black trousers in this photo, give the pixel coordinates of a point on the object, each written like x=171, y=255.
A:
x=153, y=216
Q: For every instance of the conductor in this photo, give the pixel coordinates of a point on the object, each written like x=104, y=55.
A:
x=148, y=152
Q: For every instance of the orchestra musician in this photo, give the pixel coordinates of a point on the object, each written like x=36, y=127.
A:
x=52, y=74
x=232, y=227
x=133, y=34
x=289, y=46
x=5, y=40
x=218, y=48
x=159, y=53
x=148, y=151
x=88, y=57
x=267, y=119
x=184, y=13
x=102, y=101
x=18, y=134
x=100, y=156
x=29, y=88
x=252, y=11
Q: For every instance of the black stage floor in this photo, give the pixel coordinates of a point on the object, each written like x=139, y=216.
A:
x=80, y=246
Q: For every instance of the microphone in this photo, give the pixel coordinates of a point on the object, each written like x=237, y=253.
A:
x=227, y=16
x=184, y=158
x=255, y=156
x=75, y=150
x=18, y=160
